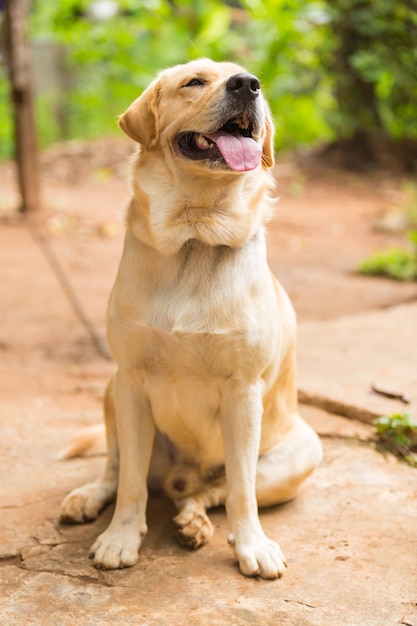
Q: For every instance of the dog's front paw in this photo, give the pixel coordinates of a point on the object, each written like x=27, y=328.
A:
x=116, y=549
x=85, y=503
x=193, y=527
x=259, y=556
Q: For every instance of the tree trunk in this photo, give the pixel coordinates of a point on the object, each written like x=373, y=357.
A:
x=19, y=66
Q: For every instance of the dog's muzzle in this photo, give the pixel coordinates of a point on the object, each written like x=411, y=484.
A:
x=232, y=145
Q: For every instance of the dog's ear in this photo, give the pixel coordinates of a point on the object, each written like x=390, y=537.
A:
x=140, y=121
x=268, y=143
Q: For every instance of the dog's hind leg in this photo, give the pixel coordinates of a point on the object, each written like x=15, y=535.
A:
x=193, y=526
x=279, y=475
x=85, y=503
x=281, y=471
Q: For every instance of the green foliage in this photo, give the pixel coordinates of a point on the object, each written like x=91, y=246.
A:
x=283, y=40
x=114, y=60
x=372, y=59
x=122, y=56
x=398, y=434
x=327, y=67
x=397, y=263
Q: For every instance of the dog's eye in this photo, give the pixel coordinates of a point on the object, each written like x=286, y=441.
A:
x=194, y=82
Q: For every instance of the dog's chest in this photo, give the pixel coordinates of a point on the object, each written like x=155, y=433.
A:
x=193, y=312
x=182, y=374
x=188, y=327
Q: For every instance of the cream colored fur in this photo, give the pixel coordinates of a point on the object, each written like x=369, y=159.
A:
x=203, y=401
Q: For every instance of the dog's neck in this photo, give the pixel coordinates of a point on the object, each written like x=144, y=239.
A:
x=201, y=209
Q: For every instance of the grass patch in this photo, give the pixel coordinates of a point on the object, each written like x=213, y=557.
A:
x=397, y=434
x=396, y=263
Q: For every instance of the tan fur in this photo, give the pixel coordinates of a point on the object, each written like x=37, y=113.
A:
x=88, y=442
x=203, y=337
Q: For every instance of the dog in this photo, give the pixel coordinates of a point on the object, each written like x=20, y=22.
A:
x=203, y=403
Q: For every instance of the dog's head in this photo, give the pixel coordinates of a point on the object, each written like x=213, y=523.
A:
x=210, y=114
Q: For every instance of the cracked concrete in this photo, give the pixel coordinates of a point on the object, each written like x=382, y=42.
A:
x=340, y=361
x=411, y=618
x=349, y=537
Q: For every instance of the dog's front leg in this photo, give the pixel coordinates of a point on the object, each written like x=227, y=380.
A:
x=119, y=545
x=241, y=416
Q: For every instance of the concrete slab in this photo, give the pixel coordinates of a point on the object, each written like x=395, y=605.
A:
x=340, y=360
x=349, y=539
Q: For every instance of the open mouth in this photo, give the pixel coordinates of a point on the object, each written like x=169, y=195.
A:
x=232, y=145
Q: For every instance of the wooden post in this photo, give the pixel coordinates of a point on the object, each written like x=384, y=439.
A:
x=18, y=60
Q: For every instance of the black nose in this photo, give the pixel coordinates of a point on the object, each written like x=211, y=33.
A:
x=245, y=86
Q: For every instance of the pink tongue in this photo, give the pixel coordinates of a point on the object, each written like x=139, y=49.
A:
x=240, y=153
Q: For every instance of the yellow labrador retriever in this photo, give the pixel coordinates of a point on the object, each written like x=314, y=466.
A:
x=203, y=403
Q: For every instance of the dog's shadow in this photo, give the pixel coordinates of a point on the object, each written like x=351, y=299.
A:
x=160, y=512
x=160, y=547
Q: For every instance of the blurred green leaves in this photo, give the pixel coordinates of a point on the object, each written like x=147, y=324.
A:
x=397, y=263
x=371, y=59
x=310, y=76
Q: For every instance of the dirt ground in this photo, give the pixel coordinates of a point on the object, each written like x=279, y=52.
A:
x=349, y=537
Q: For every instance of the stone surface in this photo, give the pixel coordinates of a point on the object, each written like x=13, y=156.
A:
x=349, y=539
x=341, y=360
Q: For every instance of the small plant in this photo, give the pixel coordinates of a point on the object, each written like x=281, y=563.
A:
x=397, y=433
x=397, y=263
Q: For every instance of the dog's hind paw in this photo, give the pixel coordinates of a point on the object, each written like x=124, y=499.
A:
x=193, y=527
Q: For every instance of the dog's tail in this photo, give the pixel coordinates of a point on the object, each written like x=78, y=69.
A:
x=89, y=441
